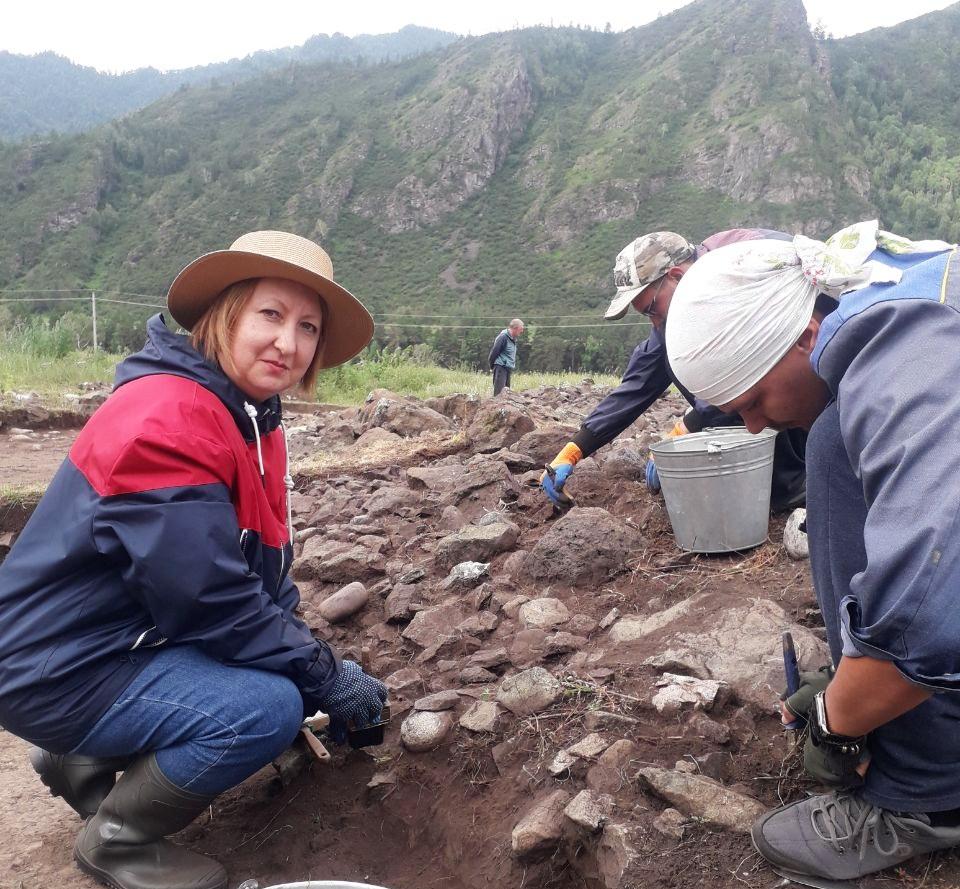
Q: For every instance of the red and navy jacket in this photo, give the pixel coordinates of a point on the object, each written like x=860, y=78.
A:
x=158, y=529
x=648, y=374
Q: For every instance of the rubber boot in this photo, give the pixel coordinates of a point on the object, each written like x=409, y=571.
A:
x=81, y=781
x=123, y=844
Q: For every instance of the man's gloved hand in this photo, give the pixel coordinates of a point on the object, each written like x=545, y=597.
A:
x=832, y=759
x=651, y=476
x=831, y=766
x=563, y=465
x=828, y=758
x=811, y=683
x=355, y=697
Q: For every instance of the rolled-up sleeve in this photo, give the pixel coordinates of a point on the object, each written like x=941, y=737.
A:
x=899, y=408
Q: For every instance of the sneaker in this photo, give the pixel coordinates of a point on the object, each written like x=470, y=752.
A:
x=840, y=836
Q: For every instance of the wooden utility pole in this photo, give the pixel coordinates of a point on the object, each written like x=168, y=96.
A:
x=93, y=313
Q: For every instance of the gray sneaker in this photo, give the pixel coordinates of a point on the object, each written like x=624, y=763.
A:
x=840, y=836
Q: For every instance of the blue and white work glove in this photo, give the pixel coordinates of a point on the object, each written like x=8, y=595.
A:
x=555, y=478
x=650, y=475
x=355, y=698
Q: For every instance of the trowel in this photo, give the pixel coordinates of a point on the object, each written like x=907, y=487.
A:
x=792, y=878
x=565, y=503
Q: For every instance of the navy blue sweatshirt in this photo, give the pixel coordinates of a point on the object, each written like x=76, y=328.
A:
x=157, y=529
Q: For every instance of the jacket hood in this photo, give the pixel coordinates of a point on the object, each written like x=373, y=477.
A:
x=166, y=352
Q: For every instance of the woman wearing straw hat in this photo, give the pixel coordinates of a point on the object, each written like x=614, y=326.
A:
x=146, y=613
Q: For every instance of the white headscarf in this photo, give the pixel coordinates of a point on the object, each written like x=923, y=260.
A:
x=740, y=308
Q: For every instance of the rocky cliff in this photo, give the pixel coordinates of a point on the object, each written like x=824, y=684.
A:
x=504, y=169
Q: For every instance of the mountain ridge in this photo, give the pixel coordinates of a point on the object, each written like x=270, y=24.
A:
x=46, y=92
x=498, y=176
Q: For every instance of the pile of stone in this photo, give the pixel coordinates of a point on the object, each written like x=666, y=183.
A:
x=483, y=613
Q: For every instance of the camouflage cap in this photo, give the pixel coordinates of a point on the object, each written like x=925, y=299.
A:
x=641, y=263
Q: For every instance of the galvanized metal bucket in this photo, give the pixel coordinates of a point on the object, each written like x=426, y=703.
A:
x=716, y=485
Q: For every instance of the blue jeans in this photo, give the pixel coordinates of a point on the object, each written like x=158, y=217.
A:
x=210, y=725
x=915, y=758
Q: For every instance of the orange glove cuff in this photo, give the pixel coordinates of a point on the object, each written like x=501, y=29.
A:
x=570, y=454
x=678, y=429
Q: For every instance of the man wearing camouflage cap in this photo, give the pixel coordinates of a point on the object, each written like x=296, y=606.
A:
x=646, y=273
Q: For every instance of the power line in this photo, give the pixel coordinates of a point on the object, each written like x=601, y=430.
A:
x=74, y=290
x=476, y=317
x=42, y=299
x=45, y=299
x=131, y=293
x=381, y=318
x=532, y=324
x=376, y=315
x=126, y=302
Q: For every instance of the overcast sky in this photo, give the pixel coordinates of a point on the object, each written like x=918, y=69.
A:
x=119, y=35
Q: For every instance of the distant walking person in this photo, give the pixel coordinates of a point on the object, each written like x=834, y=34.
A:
x=503, y=355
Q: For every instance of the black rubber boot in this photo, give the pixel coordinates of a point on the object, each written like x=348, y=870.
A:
x=123, y=844
x=81, y=781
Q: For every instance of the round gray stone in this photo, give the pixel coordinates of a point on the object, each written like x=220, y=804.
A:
x=424, y=730
x=529, y=692
x=795, y=540
x=543, y=614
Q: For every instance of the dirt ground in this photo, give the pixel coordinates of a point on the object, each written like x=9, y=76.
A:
x=444, y=818
x=31, y=457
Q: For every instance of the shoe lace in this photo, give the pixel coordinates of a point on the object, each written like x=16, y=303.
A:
x=844, y=820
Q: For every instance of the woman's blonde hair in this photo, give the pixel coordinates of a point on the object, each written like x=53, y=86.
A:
x=212, y=335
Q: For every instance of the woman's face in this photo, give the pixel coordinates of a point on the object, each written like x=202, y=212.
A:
x=276, y=336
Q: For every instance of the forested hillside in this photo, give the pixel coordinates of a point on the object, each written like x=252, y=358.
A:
x=500, y=175
x=902, y=88
x=47, y=93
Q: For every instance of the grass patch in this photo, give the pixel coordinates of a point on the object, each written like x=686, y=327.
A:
x=358, y=459
x=351, y=383
x=50, y=357
x=52, y=377
x=40, y=364
x=13, y=495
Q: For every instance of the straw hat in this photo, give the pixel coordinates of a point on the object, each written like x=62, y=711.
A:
x=269, y=254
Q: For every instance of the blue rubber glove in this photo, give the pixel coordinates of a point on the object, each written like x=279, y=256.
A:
x=553, y=487
x=652, y=477
x=562, y=467
x=355, y=697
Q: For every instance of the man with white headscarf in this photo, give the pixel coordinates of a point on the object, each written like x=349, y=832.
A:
x=857, y=340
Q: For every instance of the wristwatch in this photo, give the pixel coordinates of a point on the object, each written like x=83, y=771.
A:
x=821, y=736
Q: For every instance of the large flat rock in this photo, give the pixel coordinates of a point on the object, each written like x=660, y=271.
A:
x=336, y=562
x=540, y=831
x=400, y=415
x=498, y=424
x=704, y=798
x=477, y=543
x=719, y=635
x=432, y=625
